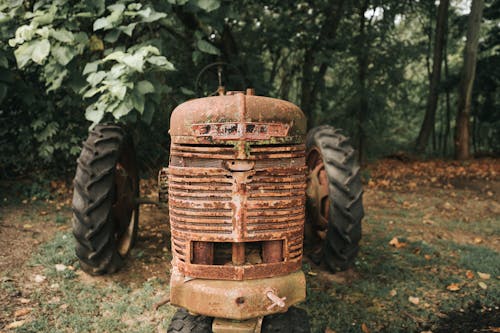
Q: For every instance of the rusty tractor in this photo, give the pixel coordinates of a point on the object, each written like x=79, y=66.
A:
x=248, y=192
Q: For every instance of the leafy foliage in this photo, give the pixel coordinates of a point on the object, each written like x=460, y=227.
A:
x=359, y=65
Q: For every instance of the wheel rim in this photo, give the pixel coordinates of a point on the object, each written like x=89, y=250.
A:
x=125, y=206
x=317, y=197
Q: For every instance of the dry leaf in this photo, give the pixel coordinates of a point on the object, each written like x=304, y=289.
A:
x=447, y=206
x=484, y=276
x=396, y=243
x=453, y=287
x=39, y=278
x=427, y=257
x=22, y=312
x=483, y=285
x=60, y=267
x=329, y=330
x=15, y=324
x=478, y=240
x=393, y=292
x=24, y=300
x=364, y=328
x=469, y=274
x=312, y=273
x=414, y=300
x=494, y=329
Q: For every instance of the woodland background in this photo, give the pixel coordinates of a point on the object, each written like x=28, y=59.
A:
x=415, y=84
x=377, y=69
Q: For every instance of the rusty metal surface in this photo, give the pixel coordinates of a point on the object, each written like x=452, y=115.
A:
x=163, y=185
x=236, y=195
x=239, y=300
x=221, y=325
x=318, y=198
x=219, y=205
x=237, y=117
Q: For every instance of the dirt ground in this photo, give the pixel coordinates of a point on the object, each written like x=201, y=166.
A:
x=25, y=225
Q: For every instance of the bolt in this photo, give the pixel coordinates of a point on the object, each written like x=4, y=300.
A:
x=277, y=301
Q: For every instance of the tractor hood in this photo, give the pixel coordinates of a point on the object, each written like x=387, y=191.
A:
x=237, y=117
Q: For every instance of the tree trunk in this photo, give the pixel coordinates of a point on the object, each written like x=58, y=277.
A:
x=311, y=80
x=448, y=104
x=462, y=136
x=430, y=113
x=362, y=73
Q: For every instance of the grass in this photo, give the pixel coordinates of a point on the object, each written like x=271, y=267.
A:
x=376, y=298
x=72, y=305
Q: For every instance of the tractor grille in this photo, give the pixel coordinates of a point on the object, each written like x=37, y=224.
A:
x=211, y=202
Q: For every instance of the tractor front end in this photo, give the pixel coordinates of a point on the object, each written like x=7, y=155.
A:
x=236, y=196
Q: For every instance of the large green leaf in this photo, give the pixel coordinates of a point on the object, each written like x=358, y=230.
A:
x=135, y=61
x=207, y=5
x=23, y=53
x=206, y=47
x=62, y=35
x=63, y=54
x=145, y=87
x=95, y=78
x=161, y=62
x=41, y=50
x=94, y=114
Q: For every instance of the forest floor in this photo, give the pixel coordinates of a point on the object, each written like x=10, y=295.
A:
x=429, y=260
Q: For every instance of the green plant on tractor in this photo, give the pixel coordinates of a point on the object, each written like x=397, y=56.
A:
x=247, y=197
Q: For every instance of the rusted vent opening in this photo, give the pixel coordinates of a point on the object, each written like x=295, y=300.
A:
x=227, y=253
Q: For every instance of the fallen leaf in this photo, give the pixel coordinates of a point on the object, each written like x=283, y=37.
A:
x=427, y=257
x=39, y=278
x=15, y=324
x=447, y=206
x=24, y=300
x=393, y=292
x=494, y=329
x=414, y=300
x=483, y=285
x=484, y=276
x=27, y=226
x=63, y=306
x=60, y=267
x=478, y=240
x=329, y=330
x=22, y=312
x=364, y=328
x=396, y=243
x=312, y=273
x=453, y=287
x=469, y=274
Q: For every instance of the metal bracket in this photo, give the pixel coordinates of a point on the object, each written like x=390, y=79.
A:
x=222, y=325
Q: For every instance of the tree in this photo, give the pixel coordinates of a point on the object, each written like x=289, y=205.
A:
x=432, y=99
x=462, y=136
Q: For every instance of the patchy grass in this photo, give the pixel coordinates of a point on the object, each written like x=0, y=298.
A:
x=446, y=238
x=388, y=281
x=71, y=301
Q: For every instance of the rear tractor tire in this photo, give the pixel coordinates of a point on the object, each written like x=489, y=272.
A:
x=334, y=199
x=105, y=209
